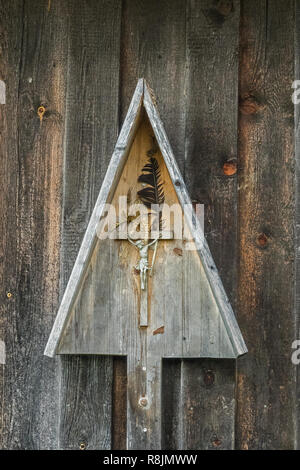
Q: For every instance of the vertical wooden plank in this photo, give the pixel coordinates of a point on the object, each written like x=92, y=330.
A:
x=211, y=148
x=297, y=215
x=209, y=406
x=32, y=66
x=86, y=408
x=119, y=410
x=266, y=376
x=153, y=47
x=171, y=403
x=91, y=132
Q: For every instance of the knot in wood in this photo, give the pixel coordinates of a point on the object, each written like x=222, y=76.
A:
x=224, y=7
x=249, y=105
x=209, y=378
x=262, y=240
x=230, y=168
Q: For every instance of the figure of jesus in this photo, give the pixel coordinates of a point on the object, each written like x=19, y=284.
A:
x=143, y=265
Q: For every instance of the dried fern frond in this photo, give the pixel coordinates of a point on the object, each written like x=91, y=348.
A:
x=153, y=193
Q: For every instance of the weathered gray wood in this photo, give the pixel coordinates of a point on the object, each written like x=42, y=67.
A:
x=83, y=337
x=154, y=47
x=87, y=384
x=197, y=235
x=266, y=377
x=154, y=40
x=211, y=141
x=210, y=402
x=88, y=243
x=32, y=65
x=92, y=115
x=102, y=313
x=144, y=308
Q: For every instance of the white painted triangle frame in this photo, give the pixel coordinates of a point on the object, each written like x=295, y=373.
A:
x=143, y=96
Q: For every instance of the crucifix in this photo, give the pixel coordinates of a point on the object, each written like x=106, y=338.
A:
x=184, y=310
x=143, y=267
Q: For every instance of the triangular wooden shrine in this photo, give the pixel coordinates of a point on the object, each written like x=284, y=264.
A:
x=182, y=312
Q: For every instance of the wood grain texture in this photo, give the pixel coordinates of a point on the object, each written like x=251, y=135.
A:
x=183, y=307
x=266, y=376
x=87, y=406
x=91, y=130
x=210, y=401
x=32, y=64
x=211, y=141
x=187, y=50
x=119, y=406
x=171, y=405
x=144, y=40
x=297, y=214
x=153, y=47
x=184, y=296
x=196, y=232
x=90, y=238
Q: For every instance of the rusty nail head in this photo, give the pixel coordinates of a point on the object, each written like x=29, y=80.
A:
x=41, y=111
x=217, y=442
x=262, y=240
x=143, y=401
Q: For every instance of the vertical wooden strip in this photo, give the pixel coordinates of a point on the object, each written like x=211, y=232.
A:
x=153, y=47
x=119, y=416
x=266, y=376
x=297, y=204
x=11, y=22
x=32, y=64
x=211, y=147
x=91, y=132
x=171, y=404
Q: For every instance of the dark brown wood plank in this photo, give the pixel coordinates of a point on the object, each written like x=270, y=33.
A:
x=208, y=404
x=32, y=64
x=119, y=407
x=297, y=215
x=210, y=173
x=153, y=47
x=266, y=376
x=171, y=404
x=91, y=132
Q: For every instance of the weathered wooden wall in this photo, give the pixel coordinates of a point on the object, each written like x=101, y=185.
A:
x=222, y=71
